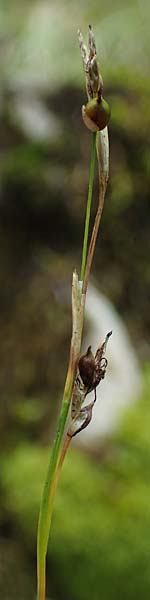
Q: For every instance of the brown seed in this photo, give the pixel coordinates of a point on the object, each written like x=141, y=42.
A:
x=87, y=367
x=96, y=114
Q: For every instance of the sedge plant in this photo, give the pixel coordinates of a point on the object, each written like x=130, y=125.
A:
x=84, y=373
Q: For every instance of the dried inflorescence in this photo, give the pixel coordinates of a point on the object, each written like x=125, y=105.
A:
x=91, y=370
x=94, y=82
x=96, y=113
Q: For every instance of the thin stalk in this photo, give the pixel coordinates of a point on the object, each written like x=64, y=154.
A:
x=42, y=580
x=102, y=144
x=88, y=206
x=50, y=483
x=47, y=502
x=93, y=239
x=78, y=302
x=57, y=458
x=58, y=454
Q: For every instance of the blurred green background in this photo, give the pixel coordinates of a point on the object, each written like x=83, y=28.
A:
x=100, y=542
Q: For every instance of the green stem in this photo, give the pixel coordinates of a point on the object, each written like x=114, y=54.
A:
x=88, y=206
x=47, y=501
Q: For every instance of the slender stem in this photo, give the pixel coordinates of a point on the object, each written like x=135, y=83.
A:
x=93, y=239
x=42, y=556
x=47, y=503
x=50, y=483
x=102, y=143
x=57, y=456
x=65, y=447
x=88, y=206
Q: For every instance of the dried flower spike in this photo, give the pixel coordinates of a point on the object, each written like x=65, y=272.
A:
x=94, y=82
x=96, y=113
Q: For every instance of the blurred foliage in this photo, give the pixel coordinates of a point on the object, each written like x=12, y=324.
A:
x=45, y=148
x=33, y=326
x=42, y=44
x=100, y=540
x=16, y=577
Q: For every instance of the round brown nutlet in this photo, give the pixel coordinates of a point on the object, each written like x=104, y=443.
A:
x=96, y=114
x=87, y=367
